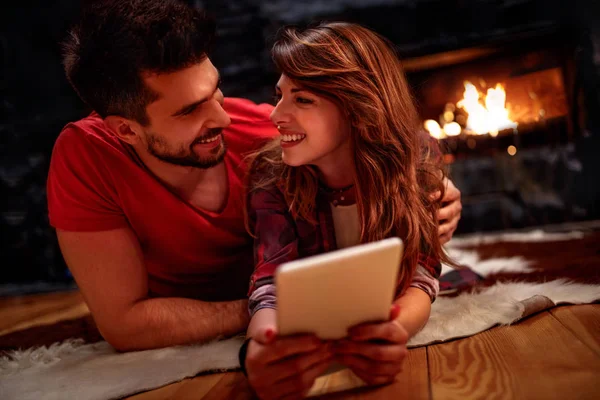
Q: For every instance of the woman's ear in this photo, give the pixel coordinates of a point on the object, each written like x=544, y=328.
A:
x=125, y=129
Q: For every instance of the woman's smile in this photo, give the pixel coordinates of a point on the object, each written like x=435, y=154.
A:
x=291, y=138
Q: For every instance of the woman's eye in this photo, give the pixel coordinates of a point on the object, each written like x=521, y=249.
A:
x=303, y=100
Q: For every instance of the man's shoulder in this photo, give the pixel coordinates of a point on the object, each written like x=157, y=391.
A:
x=250, y=122
x=244, y=110
x=250, y=119
x=87, y=135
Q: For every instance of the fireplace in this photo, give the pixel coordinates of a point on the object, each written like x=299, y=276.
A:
x=513, y=95
x=506, y=116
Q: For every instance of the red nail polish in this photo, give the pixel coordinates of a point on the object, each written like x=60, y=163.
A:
x=269, y=334
x=395, y=311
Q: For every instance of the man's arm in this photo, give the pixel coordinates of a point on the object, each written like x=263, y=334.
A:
x=109, y=270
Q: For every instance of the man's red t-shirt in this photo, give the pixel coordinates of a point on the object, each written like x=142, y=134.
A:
x=97, y=183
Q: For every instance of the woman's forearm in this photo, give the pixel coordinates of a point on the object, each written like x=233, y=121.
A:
x=415, y=308
x=263, y=318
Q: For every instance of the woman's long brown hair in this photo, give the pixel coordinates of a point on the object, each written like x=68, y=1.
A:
x=397, y=169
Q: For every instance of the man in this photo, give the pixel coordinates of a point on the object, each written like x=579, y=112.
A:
x=146, y=194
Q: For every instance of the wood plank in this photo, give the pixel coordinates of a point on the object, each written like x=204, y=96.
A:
x=194, y=388
x=536, y=358
x=232, y=386
x=583, y=320
x=412, y=383
x=22, y=312
x=36, y=299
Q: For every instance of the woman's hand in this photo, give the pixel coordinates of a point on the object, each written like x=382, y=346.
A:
x=449, y=214
x=374, y=352
x=286, y=367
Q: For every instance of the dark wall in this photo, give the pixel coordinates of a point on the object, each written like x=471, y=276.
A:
x=37, y=101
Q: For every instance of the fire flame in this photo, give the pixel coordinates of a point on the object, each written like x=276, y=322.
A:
x=490, y=116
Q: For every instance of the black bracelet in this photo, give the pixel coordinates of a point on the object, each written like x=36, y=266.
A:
x=242, y=355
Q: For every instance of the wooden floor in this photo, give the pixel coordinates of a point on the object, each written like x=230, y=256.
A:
x=552, y=355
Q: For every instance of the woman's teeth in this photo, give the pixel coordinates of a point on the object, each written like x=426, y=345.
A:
x=292, y=138
x=210, y=140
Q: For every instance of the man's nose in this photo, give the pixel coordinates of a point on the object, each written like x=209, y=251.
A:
x=218, y=116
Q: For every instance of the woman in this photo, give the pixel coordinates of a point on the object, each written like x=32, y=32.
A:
x=349, y=167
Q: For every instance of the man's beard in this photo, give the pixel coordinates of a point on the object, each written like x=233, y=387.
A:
x=186, y=157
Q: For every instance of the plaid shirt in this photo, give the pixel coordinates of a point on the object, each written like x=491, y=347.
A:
x=279, y=239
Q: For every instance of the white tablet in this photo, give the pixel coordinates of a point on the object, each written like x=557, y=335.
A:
x=329, y=293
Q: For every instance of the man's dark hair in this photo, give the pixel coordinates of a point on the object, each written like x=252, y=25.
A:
x=117, y=40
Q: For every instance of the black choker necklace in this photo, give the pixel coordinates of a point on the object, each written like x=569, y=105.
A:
x=327, y=189
x=342, y=196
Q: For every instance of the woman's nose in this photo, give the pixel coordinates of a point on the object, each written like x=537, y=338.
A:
x=279, y=116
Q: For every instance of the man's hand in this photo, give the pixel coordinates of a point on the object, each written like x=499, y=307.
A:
x=285, y=367
x=449, y=214
x=374, y=352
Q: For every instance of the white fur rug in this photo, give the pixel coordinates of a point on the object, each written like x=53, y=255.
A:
x=99, y=371
x=536, y=235
x=503, y=303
